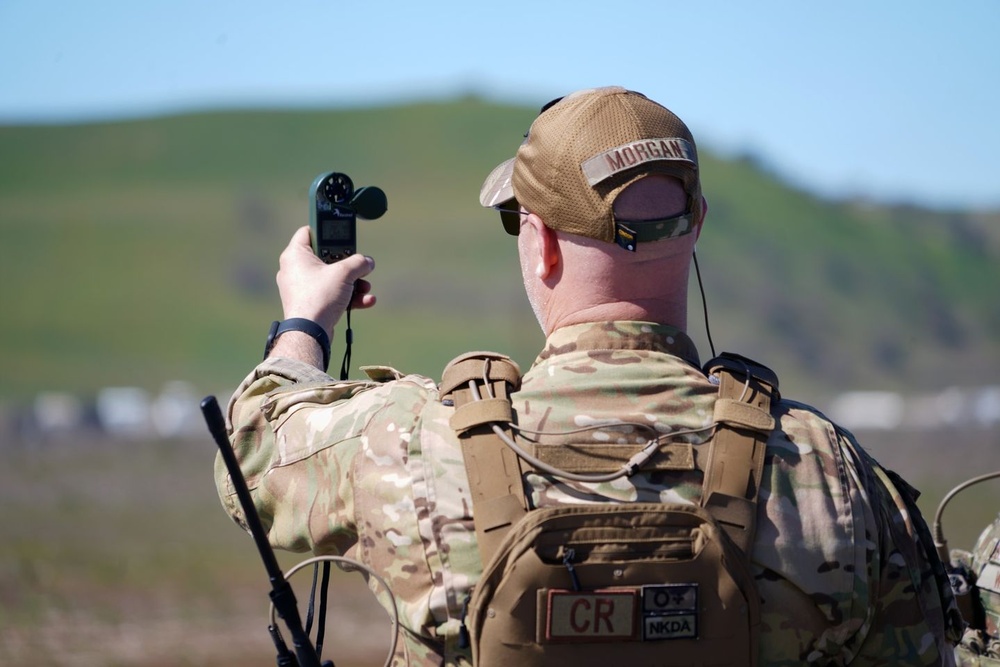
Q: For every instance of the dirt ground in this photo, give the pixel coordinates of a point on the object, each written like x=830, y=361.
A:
x=116, y=554
x=357, y=636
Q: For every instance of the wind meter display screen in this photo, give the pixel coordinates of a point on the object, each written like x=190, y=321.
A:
x=336, y=230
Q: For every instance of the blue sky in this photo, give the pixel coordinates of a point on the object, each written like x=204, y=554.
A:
x=893, y=100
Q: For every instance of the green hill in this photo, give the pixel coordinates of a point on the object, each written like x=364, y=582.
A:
x=141, y=252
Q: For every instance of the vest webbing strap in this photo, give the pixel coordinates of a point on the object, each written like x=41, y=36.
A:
x=736, y=460
x=609, y=457
x=493, y=469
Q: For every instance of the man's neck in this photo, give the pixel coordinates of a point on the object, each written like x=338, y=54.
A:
x=658, y=311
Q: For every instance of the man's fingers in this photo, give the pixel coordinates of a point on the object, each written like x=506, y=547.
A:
x=302, y=236
x=358, y=266
x=362, y=297
x=362, y=301
x=298, y=245
x=300, y=239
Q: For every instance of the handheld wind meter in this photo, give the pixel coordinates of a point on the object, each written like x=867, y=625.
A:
x=332, y=219
x=334, y=207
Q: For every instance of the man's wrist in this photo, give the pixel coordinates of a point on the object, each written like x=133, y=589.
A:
x=308, y=330
x=297, y=346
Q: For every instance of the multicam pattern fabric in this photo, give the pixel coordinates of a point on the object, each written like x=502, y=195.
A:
x=979, y=572
x=978, y=650
x=373, y=470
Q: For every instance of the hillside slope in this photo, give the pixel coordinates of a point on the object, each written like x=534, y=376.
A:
x=141, y=252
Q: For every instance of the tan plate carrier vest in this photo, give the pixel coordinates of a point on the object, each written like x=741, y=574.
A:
x=613, y=584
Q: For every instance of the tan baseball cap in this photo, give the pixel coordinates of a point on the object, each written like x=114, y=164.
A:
x=585, y=148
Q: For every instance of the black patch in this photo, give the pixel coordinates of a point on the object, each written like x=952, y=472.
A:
x=828, y=566
x=768, y=575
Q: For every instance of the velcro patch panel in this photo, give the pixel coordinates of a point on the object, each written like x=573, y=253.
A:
x=645, y=613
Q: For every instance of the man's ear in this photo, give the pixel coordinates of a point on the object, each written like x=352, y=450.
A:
x=545, y=256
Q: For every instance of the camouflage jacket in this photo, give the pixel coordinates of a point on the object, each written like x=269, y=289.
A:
x=372, y=470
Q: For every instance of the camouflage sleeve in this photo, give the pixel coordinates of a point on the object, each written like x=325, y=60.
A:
x=288, y=457
x=337, y=468
x=914, y=618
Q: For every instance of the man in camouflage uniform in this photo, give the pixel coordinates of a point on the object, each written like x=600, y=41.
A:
x=605, y=199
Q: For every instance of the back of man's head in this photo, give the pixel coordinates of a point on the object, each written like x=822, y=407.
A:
x=586, y=149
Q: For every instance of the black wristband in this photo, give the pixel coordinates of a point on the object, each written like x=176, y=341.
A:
x=305, y=326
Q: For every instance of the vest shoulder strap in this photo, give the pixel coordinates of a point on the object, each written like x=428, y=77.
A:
x=736, y=459
x=480, y=384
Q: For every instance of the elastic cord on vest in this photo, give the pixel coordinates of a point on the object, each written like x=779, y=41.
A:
x=628, y=469
x=347, y=564
x=939, y=540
